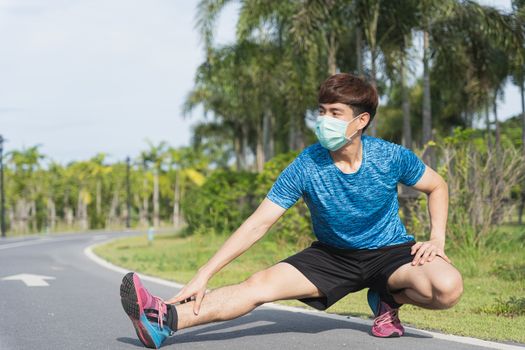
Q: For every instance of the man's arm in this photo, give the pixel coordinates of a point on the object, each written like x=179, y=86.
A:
x=252, y=229
x=436, y=189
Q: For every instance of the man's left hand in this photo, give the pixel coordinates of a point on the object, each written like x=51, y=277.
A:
x=426, y=252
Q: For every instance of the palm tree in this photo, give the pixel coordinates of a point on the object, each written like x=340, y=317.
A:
x=213, y=140
x=98, y=171
x=519, y=79
x=216, y=89
x=188, y=164
x=289, y=69
x=25, y=163
x=154, y=158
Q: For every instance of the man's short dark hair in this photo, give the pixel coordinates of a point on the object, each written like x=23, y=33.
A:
x=351, y=90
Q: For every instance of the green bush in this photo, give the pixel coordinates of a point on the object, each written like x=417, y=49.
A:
x=514, y=306
x=223, y=202
x=295, y=225
x=227, y=198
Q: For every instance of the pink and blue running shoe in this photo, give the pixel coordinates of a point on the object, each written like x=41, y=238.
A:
x=147, y=312
x=386, y=322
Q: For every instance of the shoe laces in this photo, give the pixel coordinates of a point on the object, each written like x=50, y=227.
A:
x=160, y=319
x=158, y=303
x=387, y=317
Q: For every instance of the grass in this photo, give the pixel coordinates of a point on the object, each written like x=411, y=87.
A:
x=492, y=306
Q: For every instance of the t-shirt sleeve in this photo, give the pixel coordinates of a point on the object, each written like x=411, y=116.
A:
x=410, y=167
x=288, y=187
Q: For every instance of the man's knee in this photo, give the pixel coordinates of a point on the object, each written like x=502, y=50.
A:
x=259, y=287
x=447, y=290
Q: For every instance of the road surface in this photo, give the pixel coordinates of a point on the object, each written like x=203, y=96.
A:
x=54, y=296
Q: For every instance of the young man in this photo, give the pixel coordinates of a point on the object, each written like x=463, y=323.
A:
x=349, y=182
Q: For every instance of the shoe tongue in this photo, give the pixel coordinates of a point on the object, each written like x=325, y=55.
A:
x=384, y=308
x=150, y=302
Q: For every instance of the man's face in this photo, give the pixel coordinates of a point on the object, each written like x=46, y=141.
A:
x=344, y=112
x=336, y=110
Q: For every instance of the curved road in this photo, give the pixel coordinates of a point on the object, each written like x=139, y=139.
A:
x=73, y=303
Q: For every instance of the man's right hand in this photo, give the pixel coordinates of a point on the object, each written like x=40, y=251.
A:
x=195, y=289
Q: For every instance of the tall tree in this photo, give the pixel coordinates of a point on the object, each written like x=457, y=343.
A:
x=154, y=158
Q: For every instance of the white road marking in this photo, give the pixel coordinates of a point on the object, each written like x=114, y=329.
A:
x=99, y=237
x=88, y=251
x=40, y=241
x=30, y=280
x=24, y=243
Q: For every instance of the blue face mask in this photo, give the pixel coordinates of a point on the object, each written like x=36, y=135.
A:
x=331, y=132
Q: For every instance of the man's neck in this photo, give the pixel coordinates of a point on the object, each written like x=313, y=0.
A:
x=348, y=158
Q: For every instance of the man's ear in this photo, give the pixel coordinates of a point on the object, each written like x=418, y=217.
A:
x=364, y=118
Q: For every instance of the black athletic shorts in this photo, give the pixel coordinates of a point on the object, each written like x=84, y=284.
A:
x=337, y=272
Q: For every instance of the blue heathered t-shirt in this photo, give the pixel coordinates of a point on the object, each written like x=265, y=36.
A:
x=357, y=210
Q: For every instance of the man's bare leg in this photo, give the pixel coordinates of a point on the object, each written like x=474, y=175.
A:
x=433, y=285
x=279, y=282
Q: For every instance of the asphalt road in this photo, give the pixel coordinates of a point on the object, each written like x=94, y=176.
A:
x=78, y=307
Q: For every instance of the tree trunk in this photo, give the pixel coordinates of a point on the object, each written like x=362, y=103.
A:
x=51, y=214
x=332, y=54
x=112, y=215
x=407, y=130
x=293, y=133
x=81, y=211
x=373, y=129
x=67, y=212
x=427, y=107
x=259, y=148
x=237, y=148
x=522, y=92
x=268, y=141
x=144, y=217
x=176, y=201
x=182, y=194
x=371, y=36
x=522, y=204
x=21, y=216
x=32, y=211
x=244, y=150
x=359, y=50
x=521, y=207
x=98, y=206
x=68, y=216
x=487, y=126
x=496, y=121
x=11, y=219
x=156, y=199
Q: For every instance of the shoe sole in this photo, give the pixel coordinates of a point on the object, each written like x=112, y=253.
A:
x=393, y=335
x=131, y=305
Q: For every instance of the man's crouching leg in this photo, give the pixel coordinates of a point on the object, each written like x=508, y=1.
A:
x=279, y=282
x=433, y=285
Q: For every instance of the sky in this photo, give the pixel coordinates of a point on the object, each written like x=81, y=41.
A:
x=79, y=77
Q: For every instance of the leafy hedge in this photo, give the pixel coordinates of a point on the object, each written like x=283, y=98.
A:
x=227, y=198
x=223, y=202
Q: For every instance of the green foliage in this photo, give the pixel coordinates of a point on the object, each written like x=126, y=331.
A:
x=228, y=198
x=294, y=227
x=224, y=201
x=480, y=181
x=510, y=272
x=512, y=307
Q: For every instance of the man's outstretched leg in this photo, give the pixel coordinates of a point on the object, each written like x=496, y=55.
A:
x=279, y=282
